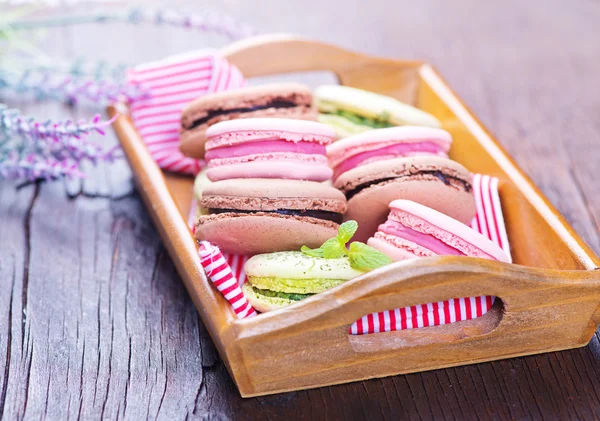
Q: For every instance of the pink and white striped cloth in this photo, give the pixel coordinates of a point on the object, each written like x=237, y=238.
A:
x=172, y=84
x=423, y=315
x=222, y=272
x=488, y=221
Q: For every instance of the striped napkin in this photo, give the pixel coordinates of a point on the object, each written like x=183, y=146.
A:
x=172, y=84
x=224, y=274
x=488, y=221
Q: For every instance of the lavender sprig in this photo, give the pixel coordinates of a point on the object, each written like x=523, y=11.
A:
x=52, y=82
x=210, y=21
x=60, y=140
x=45, y=84
x=33, y=167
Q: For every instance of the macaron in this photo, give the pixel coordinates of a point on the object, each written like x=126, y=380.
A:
x=276, y=280
x=433, y=181
x=200, y=183
x=268, y=148
x=413, y=230
x=251, y=215
x=350, y=110
x=381, y=144
x=281, y=100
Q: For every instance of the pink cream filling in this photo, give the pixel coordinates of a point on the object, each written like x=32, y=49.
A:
x=270, y=157
x=265, y=146
x=425, y=240
x=392, y=151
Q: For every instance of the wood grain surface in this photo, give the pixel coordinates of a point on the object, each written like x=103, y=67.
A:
x=96, y=323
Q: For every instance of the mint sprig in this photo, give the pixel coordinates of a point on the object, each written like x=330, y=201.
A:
x=362, y=257
x=346, y=231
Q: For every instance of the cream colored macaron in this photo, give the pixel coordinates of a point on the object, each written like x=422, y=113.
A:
x=282, y=278
x=200, y=183
x=350, y=110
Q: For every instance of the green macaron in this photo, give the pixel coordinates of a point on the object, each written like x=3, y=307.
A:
x=279, y=279
x=350, y=111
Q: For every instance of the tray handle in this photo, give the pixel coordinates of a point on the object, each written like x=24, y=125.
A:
x=276, y=54
x=569, y=297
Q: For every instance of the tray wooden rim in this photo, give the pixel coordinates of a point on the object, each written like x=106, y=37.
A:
x=229, y=334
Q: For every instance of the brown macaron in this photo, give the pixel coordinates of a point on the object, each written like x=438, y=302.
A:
x=255, y=215
x=279, y=100
x=436, y=182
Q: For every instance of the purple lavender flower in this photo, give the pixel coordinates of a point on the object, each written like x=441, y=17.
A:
x=61, y=140
x=48, y=150
x=34, y=168
x=44, y=83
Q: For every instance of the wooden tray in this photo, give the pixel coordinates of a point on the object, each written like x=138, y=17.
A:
x=549, y=299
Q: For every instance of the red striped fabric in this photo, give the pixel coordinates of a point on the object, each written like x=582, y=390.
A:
x=223, y=272
x=489, y=221
x=173, y=83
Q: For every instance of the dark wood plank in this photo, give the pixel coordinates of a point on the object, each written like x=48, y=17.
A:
x=96, y=323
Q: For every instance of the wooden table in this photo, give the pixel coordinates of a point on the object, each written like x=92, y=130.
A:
x=95, y=322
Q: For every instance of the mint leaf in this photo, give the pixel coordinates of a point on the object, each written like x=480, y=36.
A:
x=346, y=231
x=312, y=252
x=365, y=258
x=334, y=249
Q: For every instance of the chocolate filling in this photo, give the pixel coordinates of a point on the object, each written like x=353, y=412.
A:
x=445, y=178
x=276, y=103
x=319, y=214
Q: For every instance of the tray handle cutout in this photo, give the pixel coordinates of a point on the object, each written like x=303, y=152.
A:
x=429, y=335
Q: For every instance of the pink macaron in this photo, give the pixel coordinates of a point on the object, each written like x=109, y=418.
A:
x=262, y=215
x=388, y=143
x=268, y=148
x=413, y=230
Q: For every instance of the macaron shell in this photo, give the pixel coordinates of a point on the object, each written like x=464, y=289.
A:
x=399, y=133
x=370, y=207
x=193, y=141
x=251, y=234
x=285, y=126
x=200, y=183
x=403, y=134
x=264, y=303
x=394, y=253
x=450, y=231
x=262, y=204
x=401, y=243
x=297, y=265
x=294, y=285
x=246, y=96
x=279, y=169
x=262, y=191
x=401, y=166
